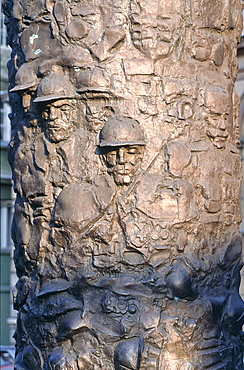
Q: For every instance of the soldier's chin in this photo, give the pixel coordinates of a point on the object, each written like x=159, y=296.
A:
x=122, y=179
x=56, y=136
x=154, y=48
x=219, y=142
x=161, y=51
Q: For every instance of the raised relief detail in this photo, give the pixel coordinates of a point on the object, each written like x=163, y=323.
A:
x=127, y=175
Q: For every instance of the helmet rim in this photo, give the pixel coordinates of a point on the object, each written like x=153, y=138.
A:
x=121, y=131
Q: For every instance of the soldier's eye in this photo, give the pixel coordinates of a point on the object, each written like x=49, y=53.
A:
x=45, y=114
x=132, y=150
x=65, y=108
x=111, y=155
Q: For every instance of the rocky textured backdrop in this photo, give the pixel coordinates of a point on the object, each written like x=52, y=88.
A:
x=127, y=174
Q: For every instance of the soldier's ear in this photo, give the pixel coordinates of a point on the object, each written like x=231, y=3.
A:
x=45, y=114
x=141, y=152
x=103, y=159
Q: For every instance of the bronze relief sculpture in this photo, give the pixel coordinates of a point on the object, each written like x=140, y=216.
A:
x=127, y=175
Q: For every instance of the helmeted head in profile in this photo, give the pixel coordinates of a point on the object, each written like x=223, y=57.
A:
x=60, y=115
x=25, y=78
x=122, y=143
x=26, y=81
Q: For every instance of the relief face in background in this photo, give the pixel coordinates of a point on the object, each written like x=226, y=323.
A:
x=124, y=161
x=153, y=28
x=217, y=102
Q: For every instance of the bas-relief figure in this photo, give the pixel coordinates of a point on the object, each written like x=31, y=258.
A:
x=127, y=173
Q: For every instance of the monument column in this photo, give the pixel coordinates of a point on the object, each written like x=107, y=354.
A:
x=127, y=178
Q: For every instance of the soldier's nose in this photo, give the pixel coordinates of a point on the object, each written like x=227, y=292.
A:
x=121, y=156
x=53, y=113
x=222, y=124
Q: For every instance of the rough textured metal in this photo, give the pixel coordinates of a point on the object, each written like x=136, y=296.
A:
x=127, y=175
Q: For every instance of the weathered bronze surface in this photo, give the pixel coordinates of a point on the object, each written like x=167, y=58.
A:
x=127, y=175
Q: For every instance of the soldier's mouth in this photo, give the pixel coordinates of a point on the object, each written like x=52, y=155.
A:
x=123, y=171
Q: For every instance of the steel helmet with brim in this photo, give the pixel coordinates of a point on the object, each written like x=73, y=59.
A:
x=121, y=131
x=25, y=78
x=54, y=87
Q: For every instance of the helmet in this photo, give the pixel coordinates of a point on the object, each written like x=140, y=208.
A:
x=95, y=80
x=127, y=354
x=120, y=131
x=54, y=87
x=25, y=78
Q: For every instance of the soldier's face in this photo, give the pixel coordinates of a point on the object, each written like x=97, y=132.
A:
x=60, y=119
x=153, y=36
x=217, y=129
x=123, y=162
x=153, y=30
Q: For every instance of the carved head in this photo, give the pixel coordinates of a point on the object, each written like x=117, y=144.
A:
x=122, y=145
x=60, y=113
x=218, y=118
x=25, y=78
x=60, y=119
x=25, y=83
x=153, y=29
